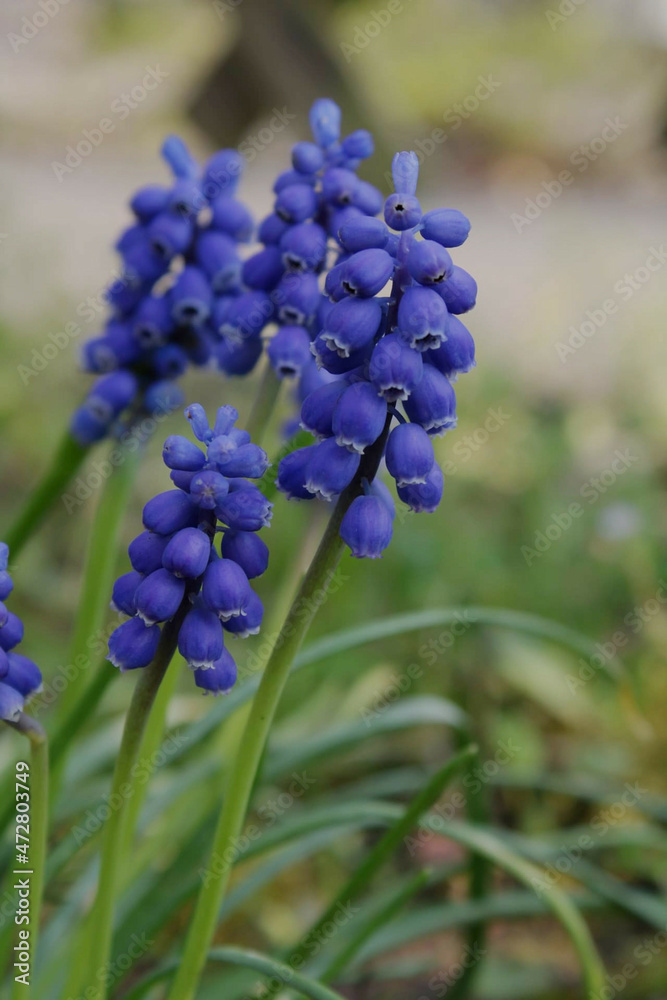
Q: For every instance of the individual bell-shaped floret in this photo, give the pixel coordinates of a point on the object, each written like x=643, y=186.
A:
x=351, y=326
x=200, y=638
x=190, y=297
x=230, y=216
x=158, y=596
x=145, y=551
x=11, y=632
x=289, y=351
x=298, y=296
x=247, y=549
x=424, y=498
x=11, y=703
x=264, y=269
x=133, y=644
x=330, y=469
x=422, y=318
x=304, y=247
x=245, y=508
x=410, y=454
x=187, y=553
x=307, y=157
x=292, y=473
x=220, y=678
x=208, y=488
x=249, y=623
x=447, y=226
x=124, y=591
x=428, y=262
x=183, y=454
x=318, y=407
x=225, y=589
x=23, y=675
x=433, y=403
x=296, y=203
x=359, y=417
x=367, y=527
x=456, y=355
x=170, y=511
x=459, y=291
x=367, y=272
x=395, y=368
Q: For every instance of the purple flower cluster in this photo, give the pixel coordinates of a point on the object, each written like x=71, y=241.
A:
x=313, y=200
x=404, y=349
x=20, y=678
x=176, y=567
x=180, y=261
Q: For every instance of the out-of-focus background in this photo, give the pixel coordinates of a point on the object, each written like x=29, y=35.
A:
x=545, y=121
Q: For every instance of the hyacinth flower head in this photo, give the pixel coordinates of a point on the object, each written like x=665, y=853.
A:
x=20, y=678
x=313, y=200
x=393, y=358
x=178, y=258
x=177, y=568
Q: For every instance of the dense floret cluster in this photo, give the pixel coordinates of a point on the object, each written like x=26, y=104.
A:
x=20, y=678
x=394, y=357
x=179, y=263
x=313, y=200
x=177, y=569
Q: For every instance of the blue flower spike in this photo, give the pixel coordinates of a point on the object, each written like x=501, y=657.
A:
x=390, y=358
x=178, y=572
x=20, y=678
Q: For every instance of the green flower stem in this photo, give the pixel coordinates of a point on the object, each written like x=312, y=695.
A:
x=115, y=831
x=39, y=823
x=66, y=461
x=264, y=405
x=99, y=570
x=253, y=741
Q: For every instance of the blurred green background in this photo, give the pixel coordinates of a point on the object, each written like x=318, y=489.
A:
x=545, y=122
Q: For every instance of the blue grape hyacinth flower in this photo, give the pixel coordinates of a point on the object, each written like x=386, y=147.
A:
x=177, y=569
x=317, y=196
x=392, y=352
x=20, y=678
x=180, y=267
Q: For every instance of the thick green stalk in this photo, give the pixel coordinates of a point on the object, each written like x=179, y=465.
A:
x=115, y=831
x=99, y=571
x=253, y=741
x=39, y=823
x=66, y=461
x=246, y=764
x=264, y=405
